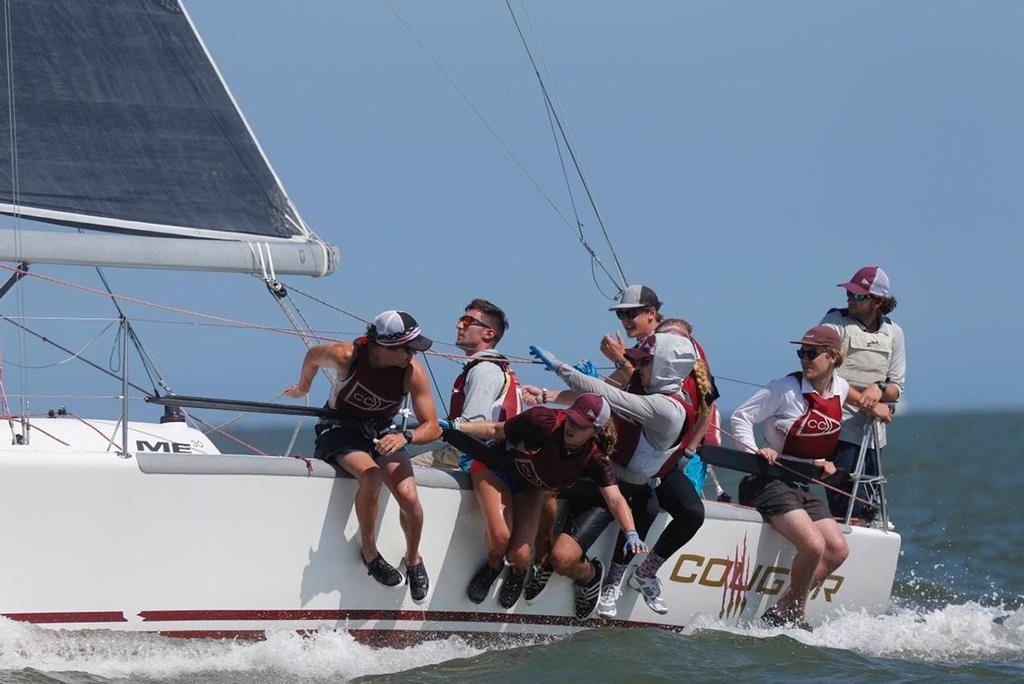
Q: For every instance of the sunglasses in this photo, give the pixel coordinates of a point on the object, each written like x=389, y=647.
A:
x=624, y=314
x=406, y=349
x=857, y=297
x=810, y=354
x=468, y=321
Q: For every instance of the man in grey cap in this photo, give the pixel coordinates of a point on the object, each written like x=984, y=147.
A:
x=876, y=365
x=637, y=310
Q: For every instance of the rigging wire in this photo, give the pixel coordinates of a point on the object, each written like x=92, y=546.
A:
x=568, y=145
x=73, y=355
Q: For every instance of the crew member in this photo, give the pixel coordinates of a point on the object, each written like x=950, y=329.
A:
x=876, y=364
x=638, y=312
x=801, y=413
x=547, y=450
x=374, y=374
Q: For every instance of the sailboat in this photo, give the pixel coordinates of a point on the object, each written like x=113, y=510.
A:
x=120, y=125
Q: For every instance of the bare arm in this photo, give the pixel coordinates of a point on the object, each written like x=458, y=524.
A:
x=878, y=409
x=423, y=406
x=337, y=356
x=618, y=506
x=703, y=422
x=483, y=429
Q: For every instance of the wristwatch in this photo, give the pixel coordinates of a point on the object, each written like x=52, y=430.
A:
x=882, y=384
x=408, y=436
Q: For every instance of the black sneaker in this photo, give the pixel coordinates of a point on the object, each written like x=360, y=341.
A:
x=511, y=588
x=588, y=594
x=419, y=583
x=776, y=618
x=382, y=571
x=481, y=583
x=538, y=582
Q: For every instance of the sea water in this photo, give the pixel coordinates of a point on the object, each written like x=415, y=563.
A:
x=955, y=484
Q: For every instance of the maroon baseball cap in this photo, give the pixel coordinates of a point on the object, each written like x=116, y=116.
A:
x=589, y=410
x=870, y=280
x=821, y=336
x=643, y=349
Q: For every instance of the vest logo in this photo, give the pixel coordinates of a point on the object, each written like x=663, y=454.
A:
x=163, y=447
x=361, y=396
x=529, y=473
x=817, y=423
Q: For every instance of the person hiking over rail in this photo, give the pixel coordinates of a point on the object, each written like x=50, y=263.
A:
x=548, y=450
x=374, y=374
x=801, y=413
x=651, y=421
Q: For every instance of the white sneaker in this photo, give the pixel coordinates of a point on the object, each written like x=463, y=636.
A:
x=650, y=589
x=606, y=605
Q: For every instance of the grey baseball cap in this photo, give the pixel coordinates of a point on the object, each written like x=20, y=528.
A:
x=636, y=296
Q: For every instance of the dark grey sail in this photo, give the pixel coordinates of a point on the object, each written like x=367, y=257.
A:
x=116, y=119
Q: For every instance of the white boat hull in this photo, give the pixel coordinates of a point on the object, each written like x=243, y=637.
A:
x=194, y=544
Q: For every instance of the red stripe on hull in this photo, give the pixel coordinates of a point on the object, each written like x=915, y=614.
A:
x=54, y=618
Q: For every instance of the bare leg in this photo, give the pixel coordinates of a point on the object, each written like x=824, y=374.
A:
x=797, y=527
x=528, y=509
x=546, y=528
x=836, y=550
x=568, y=559
x=399, y=479
x=494, y=499
x=369, y=477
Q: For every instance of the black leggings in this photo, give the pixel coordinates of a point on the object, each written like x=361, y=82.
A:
x=677, y=497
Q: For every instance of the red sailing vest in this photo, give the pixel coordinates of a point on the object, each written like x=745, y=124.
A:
x=548, y=468
x=368, y=392
x=507, y=403
x=815, y=433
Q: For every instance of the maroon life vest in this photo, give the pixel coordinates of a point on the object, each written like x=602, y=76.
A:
x=368, y=392
x=507, y=403
x=548, y=468
x=815, y=433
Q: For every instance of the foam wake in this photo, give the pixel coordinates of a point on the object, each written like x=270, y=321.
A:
x=964, y=632
x=283, y=656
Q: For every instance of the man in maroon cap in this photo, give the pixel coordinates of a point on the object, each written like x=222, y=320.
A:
x=876, y=364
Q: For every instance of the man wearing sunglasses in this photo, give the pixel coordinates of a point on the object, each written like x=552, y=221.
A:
x=875, y=364
x=637, y=311
x=374, y=374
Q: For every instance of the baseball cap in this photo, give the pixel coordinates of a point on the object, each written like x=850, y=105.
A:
x=870, y=280
x=643, y=349
x=821, y=336
x=589, y=410
x=395, y=328
x=636, y=296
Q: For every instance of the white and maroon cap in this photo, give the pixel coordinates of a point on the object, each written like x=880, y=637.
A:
x=589, y=410
x=395, y=328
x=870, y=280
x=636, y=296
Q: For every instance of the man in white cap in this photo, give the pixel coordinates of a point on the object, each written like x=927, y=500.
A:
x=374, y=374
x=637, y=310
x=876, y=365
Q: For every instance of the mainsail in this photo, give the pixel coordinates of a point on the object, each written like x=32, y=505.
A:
x=117, y=120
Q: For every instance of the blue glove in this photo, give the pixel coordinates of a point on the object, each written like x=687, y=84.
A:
x=445, y=425
x=545, y=357
x=586, y=366
x=634, y=544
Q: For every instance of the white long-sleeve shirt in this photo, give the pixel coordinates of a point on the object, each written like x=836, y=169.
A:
x=778, y=406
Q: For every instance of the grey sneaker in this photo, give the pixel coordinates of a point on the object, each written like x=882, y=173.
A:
x=650, y=589
x=588, y=594
x=537, y=583
x=419, y=583
x=382, y=571
x=481, y=583
x=606, y=605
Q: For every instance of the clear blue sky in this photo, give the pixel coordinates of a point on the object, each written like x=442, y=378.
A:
x=746, y=156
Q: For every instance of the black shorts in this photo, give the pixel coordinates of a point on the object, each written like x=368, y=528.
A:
x=588, y=515
x=771, y=497
x=336, y=439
